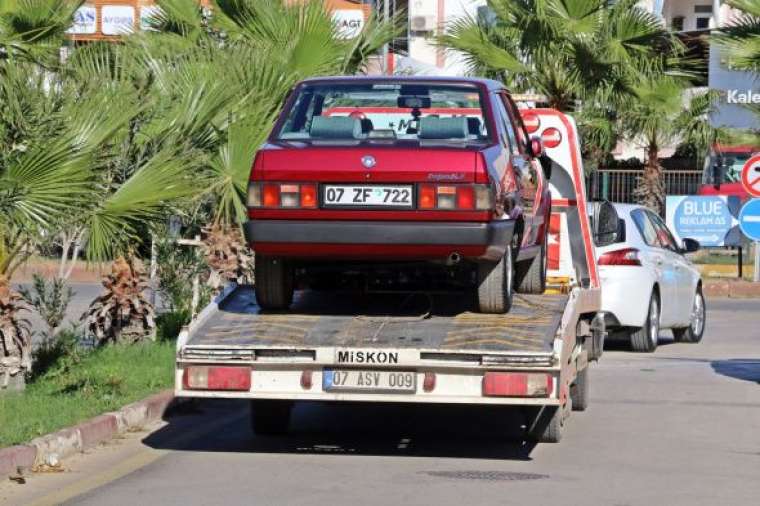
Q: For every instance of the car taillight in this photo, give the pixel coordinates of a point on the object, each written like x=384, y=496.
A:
x=551, y=137
x=282, y=195
x=455, y=197
x=217, y=378
x=511, y=384
x=625, y=256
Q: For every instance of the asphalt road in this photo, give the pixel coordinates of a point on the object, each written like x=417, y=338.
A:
x=677, y=427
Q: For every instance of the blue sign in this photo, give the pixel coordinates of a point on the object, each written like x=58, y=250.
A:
x=749, y=219
x=707, y=219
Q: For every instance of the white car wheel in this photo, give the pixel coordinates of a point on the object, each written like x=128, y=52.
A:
x=645, y=338
x=693, y=333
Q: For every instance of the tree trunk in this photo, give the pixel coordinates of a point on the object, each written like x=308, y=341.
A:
x=650, y=190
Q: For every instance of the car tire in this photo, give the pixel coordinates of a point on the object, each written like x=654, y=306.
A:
x=644, y=339
x=496, y=284
x=579, y=391
x=693, y=333
x=274, y=282
x=531, y=274
x=547, y=425
x=270, y=417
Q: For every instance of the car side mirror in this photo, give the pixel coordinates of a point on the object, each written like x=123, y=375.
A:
x=690, y=245
x=605, y=224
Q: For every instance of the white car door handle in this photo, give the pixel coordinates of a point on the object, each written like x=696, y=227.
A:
x=658, y=261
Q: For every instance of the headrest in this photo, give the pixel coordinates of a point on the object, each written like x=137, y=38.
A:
x=335, y=127
x=432, y=127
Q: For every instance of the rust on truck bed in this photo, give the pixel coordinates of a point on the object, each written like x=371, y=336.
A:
x=397, y=320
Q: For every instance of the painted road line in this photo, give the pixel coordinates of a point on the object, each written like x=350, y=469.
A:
x=143, y=458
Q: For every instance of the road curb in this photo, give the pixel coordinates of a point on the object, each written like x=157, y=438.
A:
x=85, y=435
x=735, y=289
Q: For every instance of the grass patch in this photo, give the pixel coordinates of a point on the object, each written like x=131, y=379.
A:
x=81, y=385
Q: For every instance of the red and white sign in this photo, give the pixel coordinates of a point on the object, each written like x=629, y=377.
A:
x=751, y=176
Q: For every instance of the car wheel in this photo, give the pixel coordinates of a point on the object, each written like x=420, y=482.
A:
x=645, y=339
x=270, y=417
x=496, y=284
x=693, y=333
x=547, y=425
x=274, y=282
x=531, y=274
x=579, y=391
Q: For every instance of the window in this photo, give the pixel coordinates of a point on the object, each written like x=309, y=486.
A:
x=646, y=227
x=664, y=237
x=387, y=111
x=506, y=122
x=677, y=23
x=703, y=23
x=522, y=135
x=703, y=9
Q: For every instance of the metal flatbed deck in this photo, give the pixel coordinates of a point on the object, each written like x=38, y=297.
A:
x=416, y=320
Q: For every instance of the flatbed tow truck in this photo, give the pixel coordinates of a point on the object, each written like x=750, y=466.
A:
x=417, y=347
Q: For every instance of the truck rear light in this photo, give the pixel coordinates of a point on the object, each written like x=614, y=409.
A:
x=625, y=256
x=551, y=137
x=306, y=379
x=217, y=378
x=428, y=385
x=511, y=384
x=455, y=197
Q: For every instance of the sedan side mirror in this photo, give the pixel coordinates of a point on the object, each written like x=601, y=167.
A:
x=690, y=245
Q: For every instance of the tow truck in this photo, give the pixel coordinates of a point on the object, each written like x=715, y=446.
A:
x=420, y=347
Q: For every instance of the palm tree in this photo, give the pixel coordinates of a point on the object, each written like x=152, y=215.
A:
x=658, y=117
x=742, y=36
x=566, y=50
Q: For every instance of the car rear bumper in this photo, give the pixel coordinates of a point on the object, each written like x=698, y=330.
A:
x=486, y=240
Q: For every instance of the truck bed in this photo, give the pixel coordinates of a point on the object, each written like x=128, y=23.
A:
x=393, y=320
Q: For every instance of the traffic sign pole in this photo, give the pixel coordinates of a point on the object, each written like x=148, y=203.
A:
x=756, y=274
x=749, y=222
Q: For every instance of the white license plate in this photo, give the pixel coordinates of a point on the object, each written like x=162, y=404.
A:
x=367, y=196
x=369, y=381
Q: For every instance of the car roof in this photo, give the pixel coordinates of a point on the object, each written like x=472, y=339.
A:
x=490, y=84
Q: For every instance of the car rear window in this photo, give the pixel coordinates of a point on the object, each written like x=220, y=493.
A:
x=385, y=111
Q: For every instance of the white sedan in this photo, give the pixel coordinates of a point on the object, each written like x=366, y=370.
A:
x=647, y=282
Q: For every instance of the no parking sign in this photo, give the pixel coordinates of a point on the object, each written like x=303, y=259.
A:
x=751, y=176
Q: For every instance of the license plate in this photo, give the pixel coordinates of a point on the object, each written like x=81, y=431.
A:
x=369, y=381
x=367, y=196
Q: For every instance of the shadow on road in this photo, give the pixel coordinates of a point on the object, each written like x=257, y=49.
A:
x=739, y=368
x=477, y=432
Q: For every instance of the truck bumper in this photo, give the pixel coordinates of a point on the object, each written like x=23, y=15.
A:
x=487, y=240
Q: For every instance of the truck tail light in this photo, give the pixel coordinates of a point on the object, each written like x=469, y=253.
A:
x=201, y=377
x=512, y=384
x=625, y=256
x=282, y=195
x=460, y=197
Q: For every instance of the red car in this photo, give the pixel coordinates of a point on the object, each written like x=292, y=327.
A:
x=402, y=181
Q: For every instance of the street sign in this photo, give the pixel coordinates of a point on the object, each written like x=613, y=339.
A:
x=749, y=219
x=751, y=176
x=707, y=219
